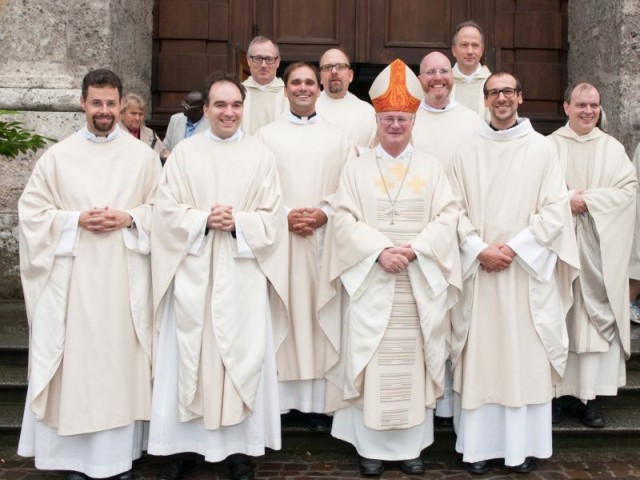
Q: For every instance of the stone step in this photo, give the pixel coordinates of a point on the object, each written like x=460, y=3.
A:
x=14, y=348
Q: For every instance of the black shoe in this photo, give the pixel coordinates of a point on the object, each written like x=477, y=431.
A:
x=413, y=466
x=371, y=467
x=240, y=467
x=320, y=423
x=524, y=467
x=477, y=468
x=128, y=475
x=591, y=414
x=443, y=421
x=177, y=466
x=556, y=412
x=71, y=475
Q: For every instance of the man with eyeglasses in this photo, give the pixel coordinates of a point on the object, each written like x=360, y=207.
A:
x=337, y=105
x=393, y=249
x=442, y=124
x=602, y=189
x=265, y=100
x=85, y=217
x=467, y=46
x=518, y=254
x=309, y=153
x=187, y=123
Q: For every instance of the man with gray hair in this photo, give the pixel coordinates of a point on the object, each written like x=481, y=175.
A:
x=265, y=100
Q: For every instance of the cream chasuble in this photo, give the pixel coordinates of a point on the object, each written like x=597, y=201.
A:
x=634, y=265
x=597, y=164
x=441, y=131
x=511, y=323
x=354, y=117
x=218, y=288
x=309, y=154
x=263, y=104
x=88, y=296
x=467, y=89
x=391, y=343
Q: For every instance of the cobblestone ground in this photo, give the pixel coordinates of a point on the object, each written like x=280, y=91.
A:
x=276, y=466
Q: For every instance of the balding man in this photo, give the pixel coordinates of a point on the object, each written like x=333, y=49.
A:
x=602, y=188
x=442, y=124
x=265, y=100
x=467, y=46
x=353, y=116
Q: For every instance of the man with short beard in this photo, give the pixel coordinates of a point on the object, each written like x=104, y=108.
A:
x=85, y=217
x=265, y=100
x=602, y=188
x=338, y=106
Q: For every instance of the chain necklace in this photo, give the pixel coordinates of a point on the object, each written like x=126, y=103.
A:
x=392, y=210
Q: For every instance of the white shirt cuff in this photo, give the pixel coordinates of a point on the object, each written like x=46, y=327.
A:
x=196, y=240
x=244, y=250
x=469, y=251
x=136, y=238
x=536, y=260
x=67, y=242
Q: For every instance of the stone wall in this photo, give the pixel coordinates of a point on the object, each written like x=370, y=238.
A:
x=604, y=49
x=47, y=47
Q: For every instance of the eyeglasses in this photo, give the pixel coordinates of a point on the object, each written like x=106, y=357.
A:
x=389, y=120
x=188, y=107
x=340, y=67
x=508, y=92
x=434, y=71
x=258, y=59
x=103, y=103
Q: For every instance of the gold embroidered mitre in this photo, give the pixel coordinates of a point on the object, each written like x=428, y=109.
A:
x=396, y=89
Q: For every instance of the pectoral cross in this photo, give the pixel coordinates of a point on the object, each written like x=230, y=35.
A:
x=392, y=213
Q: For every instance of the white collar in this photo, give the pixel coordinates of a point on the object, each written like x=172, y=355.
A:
x=450, y=106
x=233, y=138
x=92, y=137
x=468, y=78
x=522, y=128
x=323, y=93
x=405, y=155
x=301, y=120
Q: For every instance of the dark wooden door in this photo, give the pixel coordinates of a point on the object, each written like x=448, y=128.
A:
x=192, y=38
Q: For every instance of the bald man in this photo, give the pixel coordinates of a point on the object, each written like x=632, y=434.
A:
x=353, y=116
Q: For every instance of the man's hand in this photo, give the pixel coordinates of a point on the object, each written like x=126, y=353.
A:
x=304, y=221
x=221, y=218
x=406, y=251
x=104, y=220
x=391, y=261
x=496, y=257
x=578, y=205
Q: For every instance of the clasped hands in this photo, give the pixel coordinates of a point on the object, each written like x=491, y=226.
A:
x=221, y=218
x=104, y=220
x=304, y=221
x=577, y=203
x=396, y=259
x=496, y=257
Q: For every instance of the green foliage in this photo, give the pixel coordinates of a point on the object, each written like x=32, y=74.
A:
x=14, y=139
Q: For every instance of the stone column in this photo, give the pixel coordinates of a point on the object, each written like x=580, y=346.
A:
x=604, y=49
x=47, y=46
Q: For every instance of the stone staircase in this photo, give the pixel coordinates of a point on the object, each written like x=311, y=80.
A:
x=622, y=413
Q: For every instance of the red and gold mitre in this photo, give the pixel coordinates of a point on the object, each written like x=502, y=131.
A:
x=396, y=89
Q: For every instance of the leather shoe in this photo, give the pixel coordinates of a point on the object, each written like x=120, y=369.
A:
x=371, y=467
x=524, y=467
x=240, y=467
x=128, y=475
x=413, y=466
x=71, y=475
x=177, y=467
x=591, y=414
x=320, y=423
x=477, y=468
